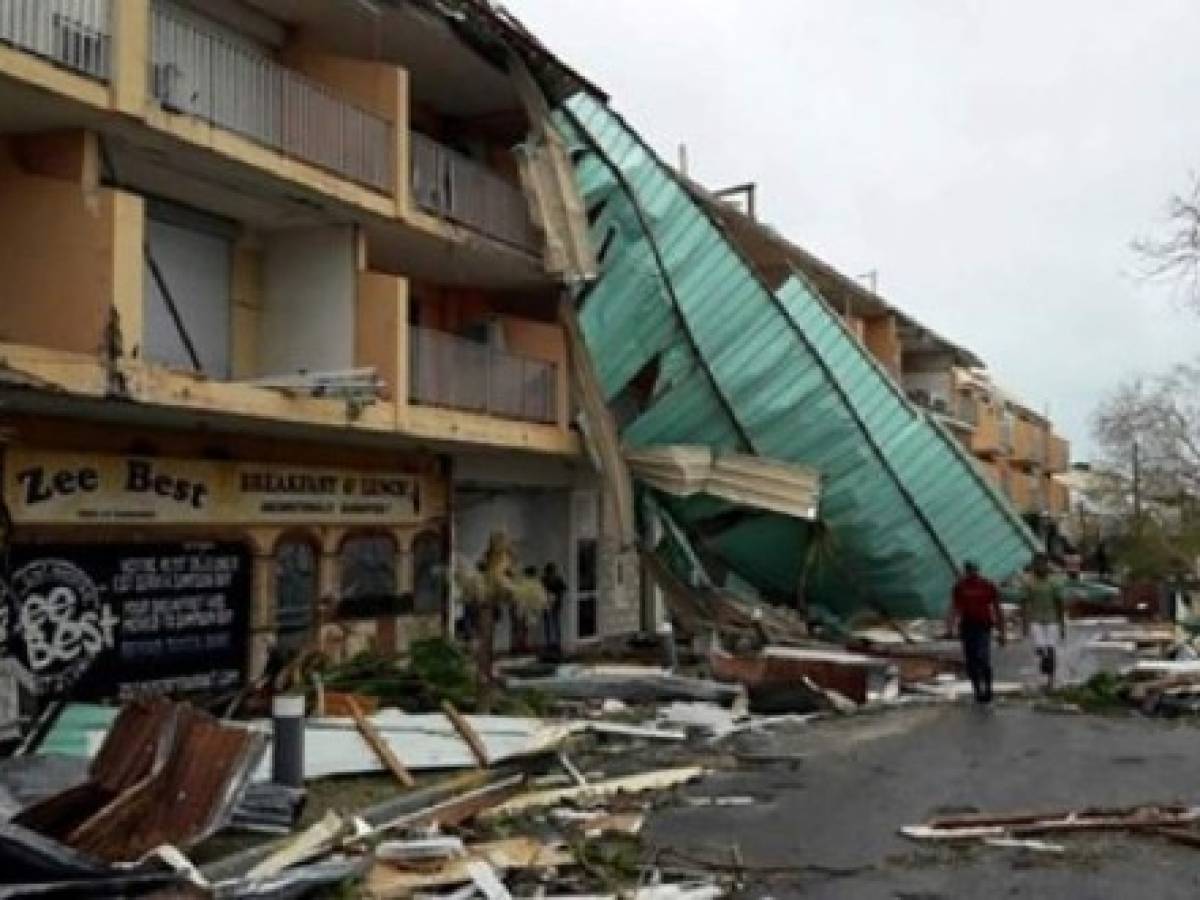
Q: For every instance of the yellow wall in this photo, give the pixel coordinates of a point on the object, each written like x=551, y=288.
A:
x=64, y=253
x=381, y=331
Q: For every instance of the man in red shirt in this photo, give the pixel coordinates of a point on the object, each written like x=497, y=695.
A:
x=976, y=611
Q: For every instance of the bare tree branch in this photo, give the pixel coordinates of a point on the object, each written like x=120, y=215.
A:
x=1175, y=254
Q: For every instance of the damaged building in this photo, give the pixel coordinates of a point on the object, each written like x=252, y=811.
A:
x=279, y=339
x=303, y=301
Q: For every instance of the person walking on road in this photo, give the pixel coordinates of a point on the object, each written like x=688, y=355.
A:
x=975, y=609
x=1043, y=613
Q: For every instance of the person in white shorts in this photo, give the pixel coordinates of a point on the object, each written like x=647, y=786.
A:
x=1044, y=614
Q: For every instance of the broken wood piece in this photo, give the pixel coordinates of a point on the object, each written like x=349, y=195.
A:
x=570, y=769
x=314, y=841
x=334, y=703
x=386, y=882
x=1025, y=844
x=660, y=780
x=469, y=735
x=485, y=879
x=984, y=826
x=377, y=743
x=599, y=822
x=420, y=851
x=458, y=809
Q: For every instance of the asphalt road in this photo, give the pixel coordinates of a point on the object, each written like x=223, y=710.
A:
x=834, y=814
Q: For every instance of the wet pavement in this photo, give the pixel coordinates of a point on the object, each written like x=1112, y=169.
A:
x=827, y=822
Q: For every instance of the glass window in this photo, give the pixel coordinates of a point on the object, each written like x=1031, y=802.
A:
x=586, y=612
x=429, y=572
x=367, y=577
x=295, y=591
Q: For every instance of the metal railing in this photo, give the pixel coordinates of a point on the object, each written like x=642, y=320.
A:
x=72, y=33
x=449, y=184
x=450, y=371
x=205, y=70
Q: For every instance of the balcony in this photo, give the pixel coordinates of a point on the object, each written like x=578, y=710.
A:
x=448, y=184
x=1058, y=454
x=72, y=33
x=204, y=70
x=1029, y=443
x=455, y=373
x=986, y=439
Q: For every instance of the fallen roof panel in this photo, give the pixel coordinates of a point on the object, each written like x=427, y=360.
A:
x=690, y=347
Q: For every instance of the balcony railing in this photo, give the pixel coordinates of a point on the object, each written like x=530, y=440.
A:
x=453, y=372
x=205, y=70
x=72, y=33
x=449, y=184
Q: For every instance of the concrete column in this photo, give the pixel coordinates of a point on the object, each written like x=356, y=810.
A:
x=130, y=56
x=128, y=299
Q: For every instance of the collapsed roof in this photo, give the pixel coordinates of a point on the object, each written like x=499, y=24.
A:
x=691, y=347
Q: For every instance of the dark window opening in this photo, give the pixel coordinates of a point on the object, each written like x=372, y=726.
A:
x=634, y=399
x=367, y=579
x=430, y=561
x=295, y=592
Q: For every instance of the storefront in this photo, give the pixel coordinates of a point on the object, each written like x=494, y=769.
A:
x=550, y=514
x=169, y=571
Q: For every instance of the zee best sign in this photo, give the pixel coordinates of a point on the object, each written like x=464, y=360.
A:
x=88, y=621
x=60, y=488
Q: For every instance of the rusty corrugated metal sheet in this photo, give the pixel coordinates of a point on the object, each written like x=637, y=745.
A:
x=166, y=774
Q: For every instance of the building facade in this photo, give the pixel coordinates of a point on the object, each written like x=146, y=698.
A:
x=279, y=339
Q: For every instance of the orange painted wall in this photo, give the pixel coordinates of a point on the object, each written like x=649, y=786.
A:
x=381, y=330
x=58, y=249
x=376, y=87
x=539, y=340
x=883, y=340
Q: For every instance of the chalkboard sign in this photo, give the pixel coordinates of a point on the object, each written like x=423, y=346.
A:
x=91, y=621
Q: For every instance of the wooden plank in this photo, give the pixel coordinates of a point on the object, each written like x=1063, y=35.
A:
x=467, y=733
x=377, y=743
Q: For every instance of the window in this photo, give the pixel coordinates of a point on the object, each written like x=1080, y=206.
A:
x=295, y=591
x=429, y=572
x=586, y=612
x=367, y=578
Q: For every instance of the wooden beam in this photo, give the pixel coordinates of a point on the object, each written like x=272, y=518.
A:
x=379, y=745
x=467, y=733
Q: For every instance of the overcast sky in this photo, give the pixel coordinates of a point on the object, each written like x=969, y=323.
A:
x=992, y=160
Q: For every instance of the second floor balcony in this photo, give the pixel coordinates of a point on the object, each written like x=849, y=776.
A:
x=452, y=185
x=457, y=373
x=203, y=69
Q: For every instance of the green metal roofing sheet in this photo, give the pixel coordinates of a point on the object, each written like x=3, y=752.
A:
x=738, y=366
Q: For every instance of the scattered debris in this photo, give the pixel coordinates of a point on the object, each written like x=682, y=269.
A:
x=631, y=684
x=400, y=878
x=977, y=827
x=851, y=675
x=1025, y=844
x=166, y=774
x=661, y=780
